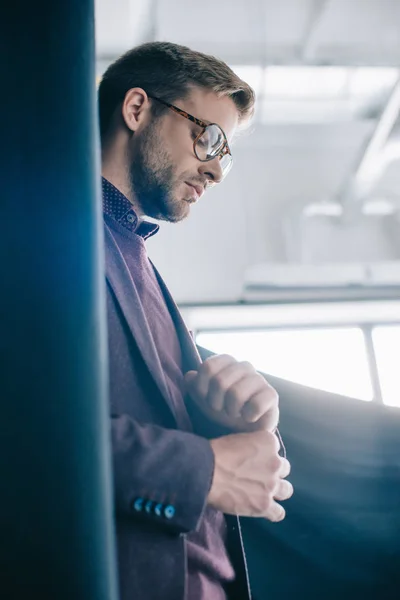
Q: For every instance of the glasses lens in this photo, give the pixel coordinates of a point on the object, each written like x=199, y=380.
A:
x=210, y=143
x=226, y=164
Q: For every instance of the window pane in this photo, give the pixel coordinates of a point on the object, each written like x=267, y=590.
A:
x=387, y=350
x=334, y=360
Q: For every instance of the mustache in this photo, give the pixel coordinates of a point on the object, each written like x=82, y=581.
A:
x=204, y=183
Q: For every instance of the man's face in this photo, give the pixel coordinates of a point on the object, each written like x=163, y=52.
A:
x=163, y=167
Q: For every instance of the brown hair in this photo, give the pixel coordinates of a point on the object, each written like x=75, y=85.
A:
x=169, y=71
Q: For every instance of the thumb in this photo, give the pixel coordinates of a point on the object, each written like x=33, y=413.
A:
x=190, y=376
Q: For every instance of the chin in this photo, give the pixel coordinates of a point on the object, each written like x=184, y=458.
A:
x=175, y=213
x=181, y=213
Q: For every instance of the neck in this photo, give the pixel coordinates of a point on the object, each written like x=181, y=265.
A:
x=115, y=177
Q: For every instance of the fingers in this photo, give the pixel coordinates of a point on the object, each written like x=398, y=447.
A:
x=268, y=443
x=255, y=484
x=243, y=390
x=262, y=402
x=237, y=388
x=275, y=512
x=210, y=368
x=284, y=490
x=190, y=377
x=285, y=468
x=230, y=383
x=217, y=383
x=269, y=420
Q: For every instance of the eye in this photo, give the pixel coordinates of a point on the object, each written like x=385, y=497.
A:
x=203, y=143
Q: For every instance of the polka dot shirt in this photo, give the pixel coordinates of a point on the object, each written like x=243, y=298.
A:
x=118, y=207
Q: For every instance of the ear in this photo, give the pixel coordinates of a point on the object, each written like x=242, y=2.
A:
x=135, y=108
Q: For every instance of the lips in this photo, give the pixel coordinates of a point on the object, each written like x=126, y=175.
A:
x=199, y=189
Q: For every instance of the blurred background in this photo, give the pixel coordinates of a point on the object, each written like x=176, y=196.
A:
x=294, y=262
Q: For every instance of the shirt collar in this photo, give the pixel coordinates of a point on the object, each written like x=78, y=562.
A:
x=118, y=207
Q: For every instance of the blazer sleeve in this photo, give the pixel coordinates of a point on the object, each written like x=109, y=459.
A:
x=160, y=475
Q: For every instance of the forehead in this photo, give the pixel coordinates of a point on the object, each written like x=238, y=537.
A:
x=208, y=107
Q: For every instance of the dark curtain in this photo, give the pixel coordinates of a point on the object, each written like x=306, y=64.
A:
x=341, y=537
x=56, y=502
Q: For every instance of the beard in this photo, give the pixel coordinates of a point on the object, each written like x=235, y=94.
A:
x=152, y=178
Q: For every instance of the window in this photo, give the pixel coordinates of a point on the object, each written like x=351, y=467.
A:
x=347, y=347
x=387, y=351
x=331, y=359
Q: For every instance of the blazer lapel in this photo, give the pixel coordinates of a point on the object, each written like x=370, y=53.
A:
x=190, y=356
x=240, y=588
x=120, y=280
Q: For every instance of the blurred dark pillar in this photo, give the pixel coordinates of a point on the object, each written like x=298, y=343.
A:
x=56, y=529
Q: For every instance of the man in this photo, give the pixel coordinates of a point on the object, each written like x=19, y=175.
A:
x=191, y=440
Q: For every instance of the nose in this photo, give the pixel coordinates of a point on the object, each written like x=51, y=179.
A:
x=212, y=170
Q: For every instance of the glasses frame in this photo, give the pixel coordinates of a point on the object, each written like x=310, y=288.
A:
x=225, y=148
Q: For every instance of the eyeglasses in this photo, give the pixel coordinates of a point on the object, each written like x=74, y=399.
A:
x=211, y=141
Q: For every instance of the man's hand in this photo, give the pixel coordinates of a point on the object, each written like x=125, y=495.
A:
x=233, y=394
x=249, y=476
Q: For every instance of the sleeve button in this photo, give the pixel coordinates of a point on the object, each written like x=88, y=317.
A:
x=138, y=504
x=148, y=506
x=169, y=511
x=158, y=510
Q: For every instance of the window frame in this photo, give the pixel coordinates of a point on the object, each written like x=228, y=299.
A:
x=337, y=320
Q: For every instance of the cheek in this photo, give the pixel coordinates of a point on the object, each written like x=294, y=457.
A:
x=182, y=162
x=184, y=156
x=179, y=143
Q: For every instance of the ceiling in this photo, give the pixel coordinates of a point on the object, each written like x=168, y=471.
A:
x=284, y=32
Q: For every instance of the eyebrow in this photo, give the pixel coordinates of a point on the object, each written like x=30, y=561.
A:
x=192, y=118
x=208, y=122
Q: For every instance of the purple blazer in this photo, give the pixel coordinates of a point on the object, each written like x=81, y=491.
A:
x=155, y=506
